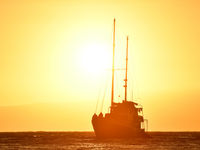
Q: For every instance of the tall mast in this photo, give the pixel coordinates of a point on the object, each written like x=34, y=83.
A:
x=125, y=86
x=112, y=92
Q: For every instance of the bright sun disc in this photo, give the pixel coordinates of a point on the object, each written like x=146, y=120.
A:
x=95, y=59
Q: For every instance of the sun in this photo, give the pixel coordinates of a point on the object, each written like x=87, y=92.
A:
x=95, y=58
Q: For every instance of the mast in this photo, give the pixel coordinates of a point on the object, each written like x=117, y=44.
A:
x=112, y=91
x=125, y=86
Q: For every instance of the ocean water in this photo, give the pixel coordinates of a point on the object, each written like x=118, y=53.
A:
x=87, y=141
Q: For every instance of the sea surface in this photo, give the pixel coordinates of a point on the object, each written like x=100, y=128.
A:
x=87, y=141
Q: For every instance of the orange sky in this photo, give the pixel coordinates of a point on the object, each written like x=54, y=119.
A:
x=48, y=83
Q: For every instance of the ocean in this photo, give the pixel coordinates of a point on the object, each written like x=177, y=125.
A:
x=87, y=141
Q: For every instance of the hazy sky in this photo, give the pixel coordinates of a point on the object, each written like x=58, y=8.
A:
x=54, y=54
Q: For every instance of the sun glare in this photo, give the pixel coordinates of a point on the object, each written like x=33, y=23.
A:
x=95, y=59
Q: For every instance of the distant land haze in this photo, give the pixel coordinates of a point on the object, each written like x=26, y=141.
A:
x=44, y=117
x=50, y=76
x=166, y=115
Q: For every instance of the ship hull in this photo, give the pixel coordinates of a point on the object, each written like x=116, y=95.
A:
x=110, y=128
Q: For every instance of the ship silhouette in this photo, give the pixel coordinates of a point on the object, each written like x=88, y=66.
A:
x=125, y=119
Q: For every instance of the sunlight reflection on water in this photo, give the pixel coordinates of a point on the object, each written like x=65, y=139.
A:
x=87, y=140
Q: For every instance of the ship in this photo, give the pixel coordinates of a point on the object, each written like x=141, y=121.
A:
x=124, y=119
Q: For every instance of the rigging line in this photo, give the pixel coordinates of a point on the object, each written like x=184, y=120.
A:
x=131, y=74
x=104, y=95
x=97, y=101
x=134, y=80
x=121, y=89
x=131, y=83
x=118, y=85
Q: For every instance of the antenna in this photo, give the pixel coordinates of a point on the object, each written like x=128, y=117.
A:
x=112, y=92
x=125, y=86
